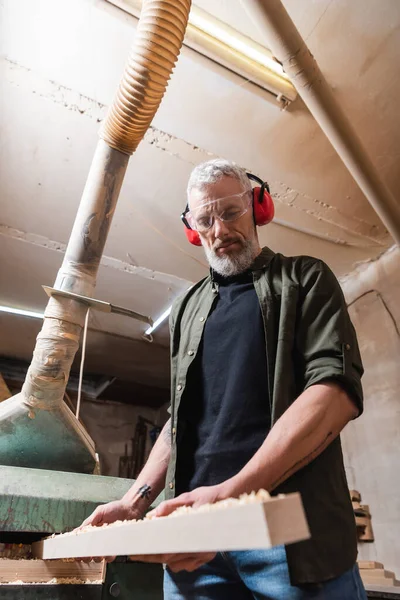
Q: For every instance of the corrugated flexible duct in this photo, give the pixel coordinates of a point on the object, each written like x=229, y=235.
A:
x=158, y=42
x=36, y=427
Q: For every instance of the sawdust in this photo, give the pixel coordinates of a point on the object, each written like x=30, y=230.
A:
x=57, y=581
x=253, y=498
x=15, y=551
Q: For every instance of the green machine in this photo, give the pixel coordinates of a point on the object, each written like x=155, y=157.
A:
x=35, y=503
x=47, y=458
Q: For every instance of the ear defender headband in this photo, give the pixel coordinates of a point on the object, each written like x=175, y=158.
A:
x=263, y=209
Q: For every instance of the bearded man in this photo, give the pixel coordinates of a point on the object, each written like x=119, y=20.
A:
x=265, y=373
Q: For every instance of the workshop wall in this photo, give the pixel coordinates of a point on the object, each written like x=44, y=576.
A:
x=112, y=425
x=371, y=444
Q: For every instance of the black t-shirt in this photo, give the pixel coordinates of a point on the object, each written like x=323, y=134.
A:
x=224, y=415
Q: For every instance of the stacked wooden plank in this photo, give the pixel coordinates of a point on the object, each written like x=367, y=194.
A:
x=51, y=571
x=4, y=391
x=362, y=517
x=374, y=574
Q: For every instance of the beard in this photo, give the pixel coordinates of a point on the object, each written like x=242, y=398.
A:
x=235, y=263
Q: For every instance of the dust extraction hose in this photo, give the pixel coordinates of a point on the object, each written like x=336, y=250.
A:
x=158, y=41
x=37, y=420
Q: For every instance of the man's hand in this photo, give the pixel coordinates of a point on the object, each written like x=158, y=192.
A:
x=188, y=561
x=119, y=510
x=199, y=496
x=177, y=562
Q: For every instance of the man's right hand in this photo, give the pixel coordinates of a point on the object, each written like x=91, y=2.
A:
x=119, y=510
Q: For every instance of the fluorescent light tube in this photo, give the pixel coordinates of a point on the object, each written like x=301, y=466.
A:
x=158, y=322
x=21, y=312
x=226, y=46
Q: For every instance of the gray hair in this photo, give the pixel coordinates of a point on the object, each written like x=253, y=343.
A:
x=212, y=171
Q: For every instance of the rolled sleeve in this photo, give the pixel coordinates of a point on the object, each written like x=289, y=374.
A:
x=325, y=337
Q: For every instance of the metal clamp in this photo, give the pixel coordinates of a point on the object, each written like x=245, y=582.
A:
x=99, y=305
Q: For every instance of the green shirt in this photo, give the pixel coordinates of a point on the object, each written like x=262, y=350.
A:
x=309, y=339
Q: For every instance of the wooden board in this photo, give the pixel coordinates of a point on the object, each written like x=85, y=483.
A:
x=362, y=521
x=369, y=564
x=382, y=573
x=378, y=577
x=42, y=571
x=355, y=496
x=237, y=526
x=4, y=391
x=364, y=524
x=383, y=591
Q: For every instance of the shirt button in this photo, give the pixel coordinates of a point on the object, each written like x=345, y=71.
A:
x=202, y=319
x=191, y=352
x=171, y=485
x=173, y=431
x=347, y=346
x=179, y=387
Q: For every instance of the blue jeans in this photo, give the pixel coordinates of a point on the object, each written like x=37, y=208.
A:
x=256, y=575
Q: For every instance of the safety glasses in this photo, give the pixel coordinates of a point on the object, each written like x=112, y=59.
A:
x=227, y=209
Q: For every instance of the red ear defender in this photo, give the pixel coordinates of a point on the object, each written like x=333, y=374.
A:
x=193, y=236
x=263, y=206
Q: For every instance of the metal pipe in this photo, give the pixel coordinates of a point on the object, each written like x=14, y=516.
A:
x=36, y=427
x=282, y=36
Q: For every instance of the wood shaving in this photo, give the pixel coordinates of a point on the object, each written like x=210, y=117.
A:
x=253, y=498
x=15, y=551
x=57, y=581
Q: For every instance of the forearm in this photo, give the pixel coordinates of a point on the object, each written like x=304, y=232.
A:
x=310, y=424
x=151, y=479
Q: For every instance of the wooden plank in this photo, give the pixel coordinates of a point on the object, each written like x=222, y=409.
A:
x=355, y=496
x=359, y=509
x=387, y=591
x=382, y=581
x=42, y=571
x=382, y=573
x=362, y=521
x=369, y=564
x=229, y=525
x=365, y=533
x=4, y=391
x=380, y=577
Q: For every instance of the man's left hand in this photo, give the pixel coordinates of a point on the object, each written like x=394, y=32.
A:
x=199, y=496
x=188, y=561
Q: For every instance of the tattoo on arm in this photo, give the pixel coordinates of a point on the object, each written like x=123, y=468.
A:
x=303, y=461
x=144, y=491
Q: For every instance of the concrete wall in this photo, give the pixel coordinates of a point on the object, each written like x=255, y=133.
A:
x=112, y=425
x=372, y=443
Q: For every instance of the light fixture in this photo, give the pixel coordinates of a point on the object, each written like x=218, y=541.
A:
x=158, y=321
x=21, y=312
x=36, y=315
x=226, y=46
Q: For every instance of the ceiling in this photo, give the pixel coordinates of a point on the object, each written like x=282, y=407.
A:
x=61, y=63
